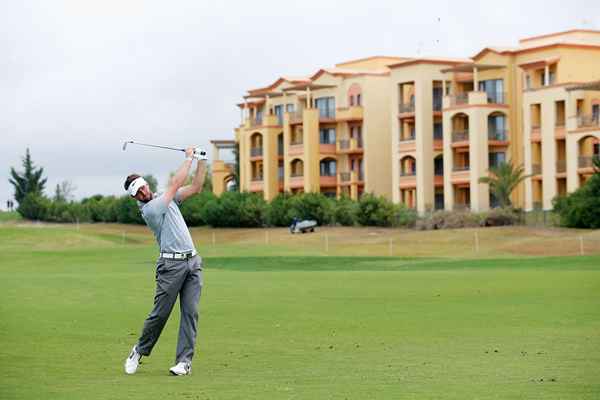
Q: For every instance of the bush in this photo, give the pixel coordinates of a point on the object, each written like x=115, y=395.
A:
x=234, y=209
x=375, y=211
x=279, y=211
x=501, y=217
x=346, y=211
x=34, y=206
x=581, y=209
x=191, y=209
x=127, y=210
x=465, y=219
x=314, y=206
x=62, y=211
x=404, y=216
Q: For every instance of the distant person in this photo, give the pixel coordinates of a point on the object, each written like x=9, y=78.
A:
x=7, y=205
x=178, y=269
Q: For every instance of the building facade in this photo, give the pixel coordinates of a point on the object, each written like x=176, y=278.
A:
x=423, y=131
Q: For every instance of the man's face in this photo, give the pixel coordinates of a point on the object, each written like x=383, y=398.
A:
x=144, y=194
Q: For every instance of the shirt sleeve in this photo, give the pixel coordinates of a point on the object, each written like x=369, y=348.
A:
x=155, y=207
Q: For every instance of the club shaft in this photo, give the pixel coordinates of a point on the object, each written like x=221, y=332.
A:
x=158, y=146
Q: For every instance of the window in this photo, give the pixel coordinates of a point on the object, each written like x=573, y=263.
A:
x=328, y=167
x=497, y=127
x=494, y=89
x=351, y=101
x=290, y=108
x=527, y=81
x=438, y=131
x=327, y=135
x=596, y=112
x=358, y=99
x=259, y=116
x=278, y=110
x=437, y=99
x=438, y=166
x=496, y=159
x=551, y=78
x=326, y=106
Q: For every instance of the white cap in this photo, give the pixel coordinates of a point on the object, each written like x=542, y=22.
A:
x=136, y=185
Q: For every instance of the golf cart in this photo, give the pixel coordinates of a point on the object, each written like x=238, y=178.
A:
x=302, y=226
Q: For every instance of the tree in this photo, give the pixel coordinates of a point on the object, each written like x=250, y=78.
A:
x=503, y=180
x=30, y=181
x=152, y=182
x=64, y=191
x=596, y=161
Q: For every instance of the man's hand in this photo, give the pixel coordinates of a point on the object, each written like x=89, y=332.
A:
x=189, y=152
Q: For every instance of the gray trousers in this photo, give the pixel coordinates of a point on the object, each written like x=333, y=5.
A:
x=174, y=277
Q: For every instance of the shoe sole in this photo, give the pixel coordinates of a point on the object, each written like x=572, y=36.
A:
x=176, y=374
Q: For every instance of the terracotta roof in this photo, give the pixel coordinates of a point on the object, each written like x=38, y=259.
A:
x=392, y=59
x=430, y=60
x=558, y=34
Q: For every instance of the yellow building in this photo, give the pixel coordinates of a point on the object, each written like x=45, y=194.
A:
x=326, y=133
x=422, y=131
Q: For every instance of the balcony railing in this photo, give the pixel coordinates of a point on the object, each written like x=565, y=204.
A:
x=561, y=166
x=257, y=178
x=437, y=103
x=345, y=176
x=536, y=169
x=438, y=135
x=327, y=113
x=461, y=168
x=588, y=121
x=296, y=116
x=499, y=135
x=407, y=138
x=460, y=136
x=406, y=108
x=361, y=176
x=296, y=174
x=459, y=99
x=408, y=173
x=438, y=172
x=256, y=151
x=586, y=161
x=255, y=122
x=296, y=141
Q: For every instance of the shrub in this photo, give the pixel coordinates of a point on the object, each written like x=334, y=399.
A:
x=581, y=209
x=404, y=216
x=101, y=209
x=501, y=217
x=375, y=211
x=191, y=209
x=314, y=206
x=345, y=211
x=127, y=210
x=279, y=211
x=34, y=206
x=63, y=211
x=234, y=209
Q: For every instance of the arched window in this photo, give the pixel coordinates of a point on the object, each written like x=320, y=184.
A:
x=328, y=167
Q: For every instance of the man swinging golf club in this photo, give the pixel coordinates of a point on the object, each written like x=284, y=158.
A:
x=178, y=269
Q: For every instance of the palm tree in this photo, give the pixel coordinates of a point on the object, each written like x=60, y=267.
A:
x=503, y=180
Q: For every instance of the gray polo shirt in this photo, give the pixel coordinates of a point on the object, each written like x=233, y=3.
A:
x=166, y=221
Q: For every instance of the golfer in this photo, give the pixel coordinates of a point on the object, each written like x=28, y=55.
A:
x=178, y=269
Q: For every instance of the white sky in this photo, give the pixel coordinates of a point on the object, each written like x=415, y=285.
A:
x=80, y=76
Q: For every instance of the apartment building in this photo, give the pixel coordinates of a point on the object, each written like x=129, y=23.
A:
x=423, y=131
x=327, y=133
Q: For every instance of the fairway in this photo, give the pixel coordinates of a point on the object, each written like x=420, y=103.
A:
x=282, y=321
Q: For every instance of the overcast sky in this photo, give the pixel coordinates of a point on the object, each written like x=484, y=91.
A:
x=78, y=77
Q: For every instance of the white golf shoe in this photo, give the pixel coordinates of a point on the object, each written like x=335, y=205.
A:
x=182, y=368
x=132, y=362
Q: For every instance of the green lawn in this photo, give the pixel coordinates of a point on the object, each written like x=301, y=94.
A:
x=296, y=327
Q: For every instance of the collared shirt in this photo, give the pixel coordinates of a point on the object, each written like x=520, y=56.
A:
x=166, y=221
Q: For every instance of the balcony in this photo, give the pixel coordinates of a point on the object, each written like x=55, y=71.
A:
x=350, y=178
x=296, y=180
x=588, y=121
x=536, y=133
x=561, y=166
x=345, y=177
x=461, y=168
x=354, y=113
x=346, y=146
x=254, y=122
x=496, y=98
x=437, y=103
x=460, y=136
x=586, y=161
x=408, y=173
x=256, y=152
x=536, y=169
x=296, y=117
x=460, y=99
x=326, y=115
x=474, y=98
x=328, y=180
x=498, y=135
x=406, y=108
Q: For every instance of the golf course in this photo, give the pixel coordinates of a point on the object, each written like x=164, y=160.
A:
x=343, y=313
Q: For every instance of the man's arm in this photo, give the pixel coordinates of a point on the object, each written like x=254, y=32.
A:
x=197, y=182
x=179, y=177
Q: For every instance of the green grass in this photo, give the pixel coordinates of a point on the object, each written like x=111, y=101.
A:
x=296, y=327
x=9, y=216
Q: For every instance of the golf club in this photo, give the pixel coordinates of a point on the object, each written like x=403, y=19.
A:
x=150, y=145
